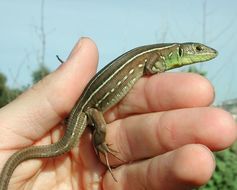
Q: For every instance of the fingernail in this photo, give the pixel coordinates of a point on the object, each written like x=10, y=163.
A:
x=76, y=48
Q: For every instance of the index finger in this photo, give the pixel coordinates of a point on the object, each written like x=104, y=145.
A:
x=162, y=92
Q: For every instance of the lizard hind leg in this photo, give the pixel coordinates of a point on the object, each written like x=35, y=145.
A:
x=97, y=119
x=105, y=149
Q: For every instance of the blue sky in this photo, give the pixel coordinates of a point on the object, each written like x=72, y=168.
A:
x=117, y=26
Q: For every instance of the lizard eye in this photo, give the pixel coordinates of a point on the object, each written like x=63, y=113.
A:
x=199, y=48
x=180, y=52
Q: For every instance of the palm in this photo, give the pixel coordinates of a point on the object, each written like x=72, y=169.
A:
x=71, y=169
x=68, y=171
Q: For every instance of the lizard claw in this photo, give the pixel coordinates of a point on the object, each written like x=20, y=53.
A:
x=105, y=149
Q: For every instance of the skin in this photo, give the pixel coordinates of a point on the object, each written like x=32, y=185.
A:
x=163, y=129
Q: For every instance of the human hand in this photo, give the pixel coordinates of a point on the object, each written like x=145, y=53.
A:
x=162, y=128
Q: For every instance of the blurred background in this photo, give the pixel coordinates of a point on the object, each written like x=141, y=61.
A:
x=33, y=32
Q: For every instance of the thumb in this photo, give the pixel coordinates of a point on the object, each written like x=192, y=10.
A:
x=40, y=108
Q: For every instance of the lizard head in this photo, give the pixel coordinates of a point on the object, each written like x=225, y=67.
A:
x=189, y=53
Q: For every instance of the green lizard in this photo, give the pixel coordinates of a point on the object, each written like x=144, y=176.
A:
x=105, y=90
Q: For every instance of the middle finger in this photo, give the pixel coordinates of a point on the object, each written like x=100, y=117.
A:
x=146, y=135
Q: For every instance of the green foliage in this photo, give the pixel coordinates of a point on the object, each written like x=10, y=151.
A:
x=193, y=69
x=8, y=94
x=225, y=176
x=40, y=73
x=3, y=81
